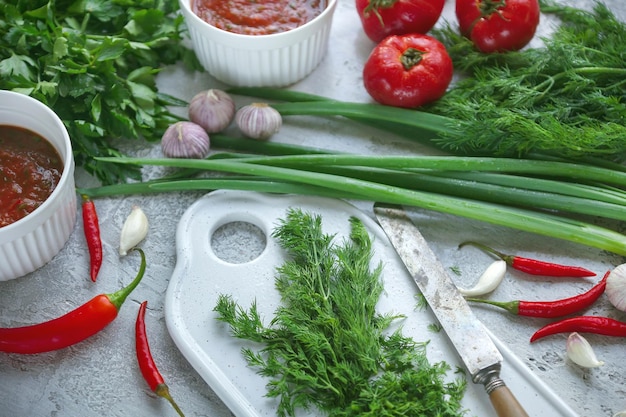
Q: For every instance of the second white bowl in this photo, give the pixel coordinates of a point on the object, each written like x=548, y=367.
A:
x=275, y=60
x=32, y=241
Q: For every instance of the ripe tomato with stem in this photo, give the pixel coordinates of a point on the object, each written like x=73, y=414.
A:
x=408, y=71
x=498, y=25
x=382, y=18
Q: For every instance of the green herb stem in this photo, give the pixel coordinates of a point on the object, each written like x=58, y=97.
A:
x=253, y=184
x=577, y=199
x=418, y=120
x=454, y=163
x=526, y=191
x=599, y=192
x=407, y=123
x=531, y=221
x=222, y=141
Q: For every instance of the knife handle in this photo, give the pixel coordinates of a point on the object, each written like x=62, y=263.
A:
x=505, y=403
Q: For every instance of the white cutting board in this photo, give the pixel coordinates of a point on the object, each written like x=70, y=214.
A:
x=200, y=276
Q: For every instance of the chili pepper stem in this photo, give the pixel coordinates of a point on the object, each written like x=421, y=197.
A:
x=506, y=258
x=118, y=297
x=163, y=391
x=510, y=306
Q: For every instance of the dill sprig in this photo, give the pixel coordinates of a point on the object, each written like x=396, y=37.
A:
x=327, y=347
x=566, y=98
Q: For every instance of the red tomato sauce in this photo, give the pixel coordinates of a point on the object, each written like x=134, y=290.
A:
x=30, y=169
x=257, y=17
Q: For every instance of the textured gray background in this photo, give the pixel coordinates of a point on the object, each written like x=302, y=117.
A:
x=99, y=377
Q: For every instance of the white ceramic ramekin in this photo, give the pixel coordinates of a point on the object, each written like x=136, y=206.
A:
x=32, y=241
x=275, y=60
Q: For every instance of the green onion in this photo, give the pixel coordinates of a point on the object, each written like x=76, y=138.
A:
x=528, y=220
x=456, y=163
x=418, y=126
x=528, y=192
x=601, y=192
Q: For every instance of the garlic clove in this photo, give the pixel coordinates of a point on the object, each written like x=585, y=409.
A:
x=185, y=140
x=616, y=287
x=580, y=351
x=212, y=109
x=134, y=230
x=258, y=120
x=488, y=281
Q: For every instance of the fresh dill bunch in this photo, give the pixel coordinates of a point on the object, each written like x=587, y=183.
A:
x=326, y=346
x=566, y=99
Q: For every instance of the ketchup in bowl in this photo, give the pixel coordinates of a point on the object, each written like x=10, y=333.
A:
x=259, y=17
x=30, y=169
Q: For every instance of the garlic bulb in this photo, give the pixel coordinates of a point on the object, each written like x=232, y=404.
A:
x=488, y=281
x=212, y=109
x=616, y=287
x=258, y=120
x=134, y=230
x=580, y=352
x=185, y=140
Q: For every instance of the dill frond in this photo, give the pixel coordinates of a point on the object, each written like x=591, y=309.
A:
x=326, y=346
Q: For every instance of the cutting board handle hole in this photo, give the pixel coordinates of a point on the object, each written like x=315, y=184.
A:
x=238, y=242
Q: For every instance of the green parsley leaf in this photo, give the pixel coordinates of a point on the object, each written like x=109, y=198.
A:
x=94, y=62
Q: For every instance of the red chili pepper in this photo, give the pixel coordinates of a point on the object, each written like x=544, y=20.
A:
x=534, y=266
x=550, y=309
x=71, y=328
x=583, y=324
x=148, y=368
x=92, y=235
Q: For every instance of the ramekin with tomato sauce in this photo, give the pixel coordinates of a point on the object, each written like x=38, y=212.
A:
x=37, y=193
x=266, y=43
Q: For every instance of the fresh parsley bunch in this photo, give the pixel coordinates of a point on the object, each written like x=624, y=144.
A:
x=94, y=62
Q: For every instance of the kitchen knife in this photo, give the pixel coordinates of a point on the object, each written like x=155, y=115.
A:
x=476, y=349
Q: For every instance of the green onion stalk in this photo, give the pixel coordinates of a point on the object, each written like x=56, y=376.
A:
x=346, y=179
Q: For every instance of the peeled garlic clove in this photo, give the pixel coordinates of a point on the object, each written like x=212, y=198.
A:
x=258, y=120
x=488, y=281
x=134, y=230
x=185, y=140
x=212, y=109
x=616, y=287
x=580, y=352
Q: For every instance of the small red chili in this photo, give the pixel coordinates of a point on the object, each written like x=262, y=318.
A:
x=550, y=309
x=147, y=365
x=534, y=266
x=71, y=328
x=92, y=236
x=583, y=324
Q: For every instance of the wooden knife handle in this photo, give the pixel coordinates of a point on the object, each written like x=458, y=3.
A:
x=505, y=403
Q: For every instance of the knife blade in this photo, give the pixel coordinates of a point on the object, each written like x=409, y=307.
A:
x=470, y=339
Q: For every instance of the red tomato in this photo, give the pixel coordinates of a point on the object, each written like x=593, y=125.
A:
x=408, y=70
x=498, y=25
x=381, y=18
